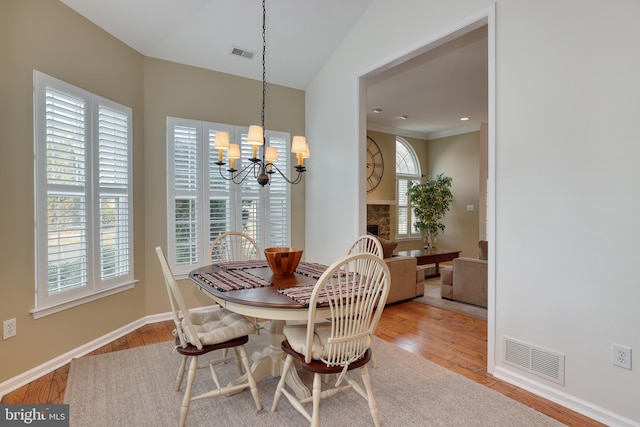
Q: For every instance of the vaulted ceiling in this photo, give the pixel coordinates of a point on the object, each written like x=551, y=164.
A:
x=432, y=90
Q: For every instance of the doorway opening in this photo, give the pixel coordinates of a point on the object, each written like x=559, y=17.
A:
x=420, y=68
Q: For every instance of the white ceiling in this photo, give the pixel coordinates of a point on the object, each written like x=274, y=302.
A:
x=433, y=90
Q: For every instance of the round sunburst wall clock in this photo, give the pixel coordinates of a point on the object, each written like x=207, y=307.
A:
x=375, y=165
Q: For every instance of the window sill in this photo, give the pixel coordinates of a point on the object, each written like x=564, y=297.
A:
x=46, y=311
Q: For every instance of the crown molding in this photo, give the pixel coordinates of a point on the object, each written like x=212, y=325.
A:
x=396, y=131
x=452, y=132
x=422, y=135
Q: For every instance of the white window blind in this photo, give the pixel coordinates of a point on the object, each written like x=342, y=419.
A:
x=83, y=193
x=407, y=169
x=113, y=178
x=186, y=185
x=278, y=212
x=202, y=204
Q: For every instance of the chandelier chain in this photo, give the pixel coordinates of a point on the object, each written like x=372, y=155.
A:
x=264, y=67
x=262, y=169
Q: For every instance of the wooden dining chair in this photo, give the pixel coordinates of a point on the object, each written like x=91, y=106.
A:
x=234, y=246
x=198, y=333
x=367, y=244
x=355, y=288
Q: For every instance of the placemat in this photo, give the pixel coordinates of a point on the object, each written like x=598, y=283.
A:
x=311, y=269
x=232, y=280
x=302, y=294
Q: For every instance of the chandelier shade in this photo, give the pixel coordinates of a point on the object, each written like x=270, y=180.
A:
x=256, y=135
x=221, y=143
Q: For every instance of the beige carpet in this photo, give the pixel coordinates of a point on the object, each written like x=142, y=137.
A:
x=432, y=297
x=135, y=388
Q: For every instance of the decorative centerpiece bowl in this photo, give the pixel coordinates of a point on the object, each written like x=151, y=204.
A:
x=283, y=261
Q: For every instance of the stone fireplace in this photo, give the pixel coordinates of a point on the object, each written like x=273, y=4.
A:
x=380, y=215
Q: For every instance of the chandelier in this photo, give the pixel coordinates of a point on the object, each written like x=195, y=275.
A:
x=259, y=168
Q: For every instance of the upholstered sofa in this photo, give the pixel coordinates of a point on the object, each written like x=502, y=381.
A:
x=407, y=278
x=467, y=280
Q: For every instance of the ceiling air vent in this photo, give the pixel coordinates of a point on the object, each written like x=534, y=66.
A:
x=544, y=363
x=241, y=52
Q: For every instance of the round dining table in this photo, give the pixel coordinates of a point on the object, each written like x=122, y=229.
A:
x=265, y=303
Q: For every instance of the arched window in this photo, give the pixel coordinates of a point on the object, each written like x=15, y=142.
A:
x=407, y=169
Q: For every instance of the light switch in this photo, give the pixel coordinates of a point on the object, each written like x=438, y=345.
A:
x=470, y=208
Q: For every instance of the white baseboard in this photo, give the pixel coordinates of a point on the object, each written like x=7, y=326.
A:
x=51, y=365
x=57, y=362
x=568, y=401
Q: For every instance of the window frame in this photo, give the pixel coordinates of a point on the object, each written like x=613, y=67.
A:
x=401, y=177
x=93, y=285
x=205, y=158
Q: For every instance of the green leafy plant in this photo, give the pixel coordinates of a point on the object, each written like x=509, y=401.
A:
x=430, y=201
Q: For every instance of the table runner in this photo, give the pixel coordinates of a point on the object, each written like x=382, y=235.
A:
x=232, y=280
x=243, y=265
x=309, y=269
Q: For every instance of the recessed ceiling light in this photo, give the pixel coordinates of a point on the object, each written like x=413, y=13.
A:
x=377, y=110
x=464, y=119
x=402, y=117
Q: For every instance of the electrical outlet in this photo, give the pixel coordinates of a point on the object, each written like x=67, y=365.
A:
x=9, y=328
x=621, y=356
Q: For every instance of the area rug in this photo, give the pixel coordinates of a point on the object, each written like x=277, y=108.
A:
x=136, y=388
x=432, y=297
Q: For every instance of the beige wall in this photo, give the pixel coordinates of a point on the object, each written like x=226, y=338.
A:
x=177, y=90
x=386, y=190
x=458, y=157
x=47, y=36
x=455, y=156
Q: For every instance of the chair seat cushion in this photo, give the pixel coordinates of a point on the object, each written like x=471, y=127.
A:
x=297, y=337
x=219, y=325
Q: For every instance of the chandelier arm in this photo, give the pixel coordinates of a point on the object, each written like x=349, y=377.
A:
x=298, y=178
x=234, y=175
x=246, y=171
x=220, y=170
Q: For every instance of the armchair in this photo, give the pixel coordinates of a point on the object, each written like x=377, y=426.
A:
x=467, y=281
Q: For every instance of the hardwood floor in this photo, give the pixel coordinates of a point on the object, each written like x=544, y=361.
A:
x=454, y=341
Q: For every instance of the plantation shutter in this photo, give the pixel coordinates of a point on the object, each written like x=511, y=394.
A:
x=403, y=208
x=278, y=212
x=66, y=190
x=406, y=220
x=114, y=182
x=185, y=185
x=219, y=195
x=202, y=203
x=83, y=195
x=248, y=220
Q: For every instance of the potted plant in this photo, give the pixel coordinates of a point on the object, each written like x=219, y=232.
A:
x=430, y=201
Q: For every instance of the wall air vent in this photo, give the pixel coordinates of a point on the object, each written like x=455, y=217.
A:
x=243, y=53
x=538, y=361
